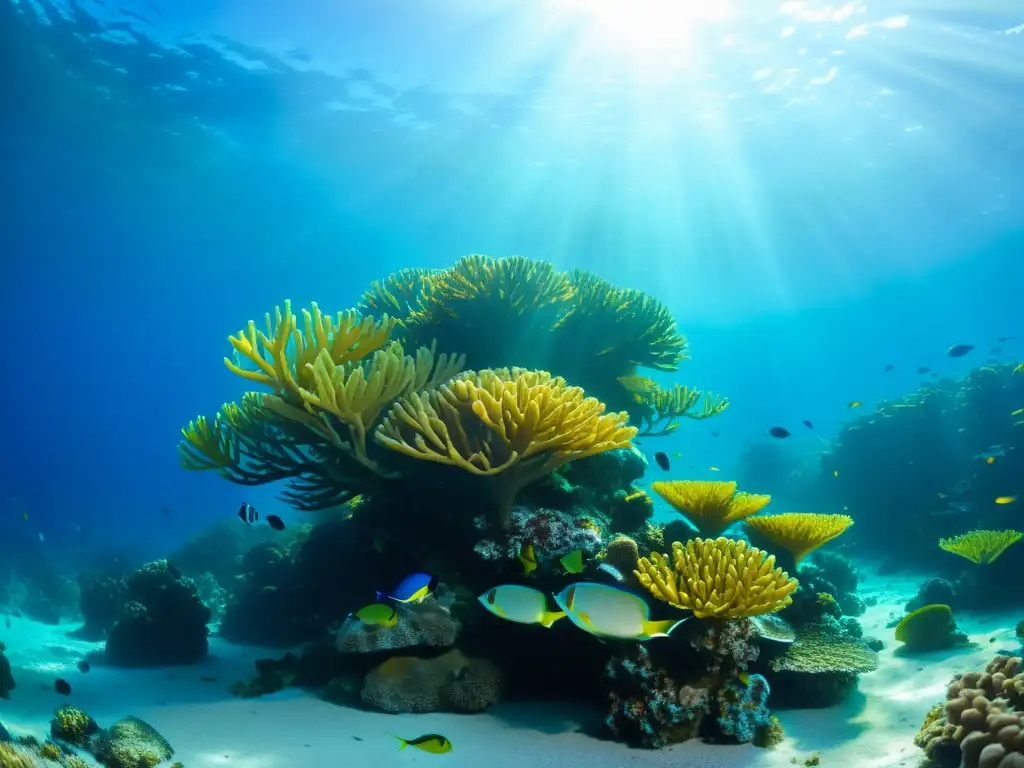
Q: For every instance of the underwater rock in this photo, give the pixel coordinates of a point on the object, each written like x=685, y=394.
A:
x=6, y=676
x=131, y=743
x=163, y=621
x=4, y=733
x=101, y=596
x=41, y=608
x=428, y=623
x=933, y=592
x=630, y=510
x=451, y=682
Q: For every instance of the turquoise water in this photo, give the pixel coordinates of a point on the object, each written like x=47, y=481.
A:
x=825, y=198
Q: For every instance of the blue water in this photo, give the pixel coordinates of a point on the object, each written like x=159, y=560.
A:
x=815, y=192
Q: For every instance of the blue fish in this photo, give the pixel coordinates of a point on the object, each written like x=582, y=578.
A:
x=412, y=589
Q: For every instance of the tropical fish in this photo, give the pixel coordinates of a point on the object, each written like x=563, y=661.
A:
x=779, y=432
x=808, y=423
x=1018, y=412
x=247, y=513
x=662, y=460
x=890, y=367
x=378, y=614
x=528, y=557
x=612, y=571
x=523, y=605
x=854, y=404
x=431, y=742
x=713, y=468
x=607, y=611
x=923, y=369
x=573, y=562
x=1005, y=499
x=716, y=434
x=83, y=666
x=835, y=473
x=1006, y=338
x=990, y=460
x=275, y=522
x=959, y=350
x=414, y=588
x=62, y=687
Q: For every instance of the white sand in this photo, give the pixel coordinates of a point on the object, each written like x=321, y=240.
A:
x=208, y=727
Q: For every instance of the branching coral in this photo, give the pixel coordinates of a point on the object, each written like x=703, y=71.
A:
x=331, y=380
x=661, y=410
x=512, y=427
x=399, y=294
x=723, y=579
x=981, y=547
x=711, y=507
x=800, y=533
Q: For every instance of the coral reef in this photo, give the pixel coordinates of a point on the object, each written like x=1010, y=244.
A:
x=724, y=578
x=552, y=533
x=981, y=547
x=131, y=743
x=451, y=682
x=73, y=725
x=982, y=721
x=163, y=621
x=799, y=533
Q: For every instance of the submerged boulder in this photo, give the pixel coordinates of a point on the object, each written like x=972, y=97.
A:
x=162, y=622
x=6, y=678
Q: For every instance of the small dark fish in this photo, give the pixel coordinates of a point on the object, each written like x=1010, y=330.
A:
x=165, y=510
x=779, y=432
x=208, y=679
x=890, y=367
x=275, y=522
x=716, y=434
x=662, y=460
x=808, y=424
x=247, y=513
x=959, y=350
x=83, y=666
x=358, y=738
x=935, y=375
x=923, y=369
x=62, y=687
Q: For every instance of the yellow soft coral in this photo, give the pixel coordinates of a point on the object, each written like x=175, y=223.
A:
x=981, y=546
x=14, y=757
x=711, y=506
x=800, y=533
x=663, y=408
x=514, y=427
x=719, y=579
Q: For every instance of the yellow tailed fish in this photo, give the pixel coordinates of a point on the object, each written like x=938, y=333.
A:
x=528, y=558
x=606, y=611
x=523, y=605
x=378, y=614
x=433, y=743
x=1005, y=499
x=573, y=562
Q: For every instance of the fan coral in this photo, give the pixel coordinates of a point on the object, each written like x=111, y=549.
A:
x=709, y=506
x=451, y=682
x=662, y=409
x=512, y=427
x=800, y=533
x=723, y=578
x=981, y=547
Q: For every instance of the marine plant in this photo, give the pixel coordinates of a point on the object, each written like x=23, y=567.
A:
x=799, y=533
x=710, y=506
x=511, y=427
x=12, y=756
x=981, y=546
x=717, y=579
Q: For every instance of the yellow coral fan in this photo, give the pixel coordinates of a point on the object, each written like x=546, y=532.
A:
x=514, y=427
x=800, y=533
x=711, y=506
x=981, y=546
x=720, y=579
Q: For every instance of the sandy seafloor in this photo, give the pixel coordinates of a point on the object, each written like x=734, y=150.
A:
x=209, y=728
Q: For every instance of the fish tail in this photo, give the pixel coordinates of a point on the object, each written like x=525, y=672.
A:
x=403, y=743
x=550, y=617
x=661, y=628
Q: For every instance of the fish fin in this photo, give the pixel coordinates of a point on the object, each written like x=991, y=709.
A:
x=403, y=744
x=661, y=628
x=550, y=617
